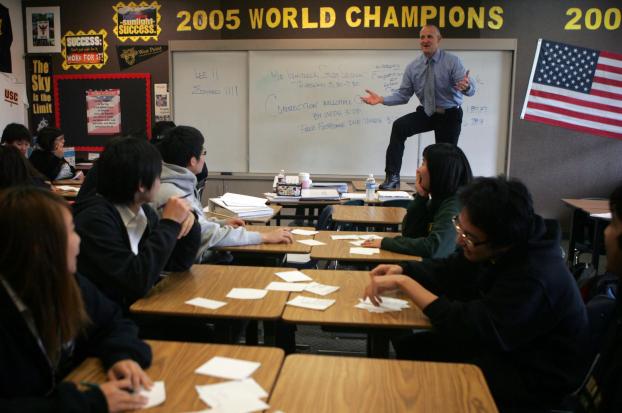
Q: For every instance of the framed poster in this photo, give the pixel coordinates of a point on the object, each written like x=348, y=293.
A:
x=43, y=29
x=91, y=109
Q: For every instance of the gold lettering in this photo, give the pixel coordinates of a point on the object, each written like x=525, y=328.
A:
x=496, y=18
x=369, y=16
x=256, y=16
x=390, y=20
x=306, y=24
x=427, y=13
x=289, y=17
x=475, y=16
x=273, y=17
x=409, y=16
x=456, y=16
x=351, y=20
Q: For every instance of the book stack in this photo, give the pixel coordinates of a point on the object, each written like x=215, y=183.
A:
x=319, y=194
x=241, y=206
x=341, y=187
x=389, y=195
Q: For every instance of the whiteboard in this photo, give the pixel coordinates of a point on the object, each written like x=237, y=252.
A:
x=300, y=110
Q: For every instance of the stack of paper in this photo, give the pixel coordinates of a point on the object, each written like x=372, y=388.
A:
x=354, y=195
x=311, y=242
x=247, y=293
x=388, y=195
x=155, y=396
x=341, y=187
x=364, y=251
x=388, y=304
x=311, y=303
x=293, y=276
x=206, y=303
x=242, y=206
x=319, y=194
x=305, y=232
x=320, y=289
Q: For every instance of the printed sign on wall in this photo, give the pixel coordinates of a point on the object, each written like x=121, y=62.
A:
x=137, y=21
x=84, y=49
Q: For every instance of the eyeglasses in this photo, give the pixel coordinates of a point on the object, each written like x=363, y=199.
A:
x=468, y=240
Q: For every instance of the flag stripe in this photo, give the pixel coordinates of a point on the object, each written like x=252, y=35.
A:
x=607, y=88
x=578, y=98
x=610, y=55
x=608, y=68
x=573, y=127
x=603, y=93
x=608, y=75
x=592, y=108
x=606, y=81
x=574, y=121
x=574, y=113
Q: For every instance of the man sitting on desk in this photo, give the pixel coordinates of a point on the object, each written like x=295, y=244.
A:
x=439, y=80
x=506, y=302
x=183, y=156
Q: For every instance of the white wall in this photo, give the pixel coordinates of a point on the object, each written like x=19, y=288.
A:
x=17, y=47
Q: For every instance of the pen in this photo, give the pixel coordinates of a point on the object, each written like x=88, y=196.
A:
x=181, y=197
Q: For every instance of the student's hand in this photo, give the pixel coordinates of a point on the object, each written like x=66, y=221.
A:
x=58, y=150
x=372, y=98
x=380, y=284
x=235, y=222
x=278, y=236
x=372, y=243
x=386, y=269
x=186, y=226
x=463, y=84
x=176, y=209
x=119, y=399
x=130, y=370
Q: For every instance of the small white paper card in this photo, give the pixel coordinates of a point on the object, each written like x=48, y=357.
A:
x=228, y=368
x=364, y=251
x=311, y=242
x=281, y=286
x=320, y=289
x=228, y=403
x=68, y=188
x=352, y=236
x=247, y=293
x=357, y=243
x=311, y=303
x=298, y=258
x=293, y=276
x=299, y=231
x=155, y=396
x=370, y=236
x=247, y=387
x=206, y=303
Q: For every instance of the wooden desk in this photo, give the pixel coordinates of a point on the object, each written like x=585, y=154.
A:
x=69, y=195
x=251, y=220
x=176, y=362
x=351, y=287
x=214, y=281
x=305, y=210
x=582, y=210
x=339, y=250
x=360, y=186
x=369, y=215
x=293, y=248
x=309, y=383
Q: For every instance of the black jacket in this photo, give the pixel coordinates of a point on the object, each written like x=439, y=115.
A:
x=27, y=381
x=106, y=257
x=524, y=307
x=48, y=164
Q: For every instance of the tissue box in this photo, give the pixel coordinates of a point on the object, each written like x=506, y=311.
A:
x=285, y=189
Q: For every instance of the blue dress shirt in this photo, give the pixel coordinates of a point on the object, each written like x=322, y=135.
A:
x=448, y=71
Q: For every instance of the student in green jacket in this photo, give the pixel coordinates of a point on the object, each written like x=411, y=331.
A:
x=427, y=230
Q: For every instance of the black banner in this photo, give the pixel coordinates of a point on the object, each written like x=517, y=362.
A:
x=132, y=55
x=40, y=90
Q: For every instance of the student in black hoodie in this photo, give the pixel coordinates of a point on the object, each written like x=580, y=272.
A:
x=506, y=302
x=125, y=247
x=603, y=391
x=48, y=157
x=52, y=319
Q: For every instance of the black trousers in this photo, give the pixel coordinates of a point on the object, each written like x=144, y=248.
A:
x=446, y=127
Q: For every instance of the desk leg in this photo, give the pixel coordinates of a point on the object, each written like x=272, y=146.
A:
x=251, y=333
x=598, y=233
x=573, y=237
x=378, y=344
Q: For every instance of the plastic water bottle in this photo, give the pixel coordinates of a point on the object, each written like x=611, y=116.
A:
x=281, y=176
x=370, y=188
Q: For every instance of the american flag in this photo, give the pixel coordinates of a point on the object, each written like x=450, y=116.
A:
x=576, y=88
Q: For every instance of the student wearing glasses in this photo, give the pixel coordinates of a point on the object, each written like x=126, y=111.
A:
x=427, y=230
x=505, y=301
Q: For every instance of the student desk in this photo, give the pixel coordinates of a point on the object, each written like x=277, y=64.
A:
x=376, y=216
x=68, y=195
x=293, y=248
x=265, y=220
x=360, y=186
x=342, y=313
x=339, y=250
x=309, y=383
x=168, y=297
x=305, y=210
x=175, y=363
x=582, y=210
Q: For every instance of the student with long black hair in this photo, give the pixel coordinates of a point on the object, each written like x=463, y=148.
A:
x=52, y=318
x=427, y=230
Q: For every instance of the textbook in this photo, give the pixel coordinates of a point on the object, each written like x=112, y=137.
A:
x=319, y=194
x=220, y=206
x=341, y=187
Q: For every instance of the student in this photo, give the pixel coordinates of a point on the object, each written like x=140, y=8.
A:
x=17, y=135
x=15, y=170
x=427, y=230
x=124, y=245
x=506, y=302
x=603, y=391
x=52, y=319
x=183, y=155
x=48, y=157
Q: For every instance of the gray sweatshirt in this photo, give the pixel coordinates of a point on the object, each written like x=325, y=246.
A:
x=179, y=181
